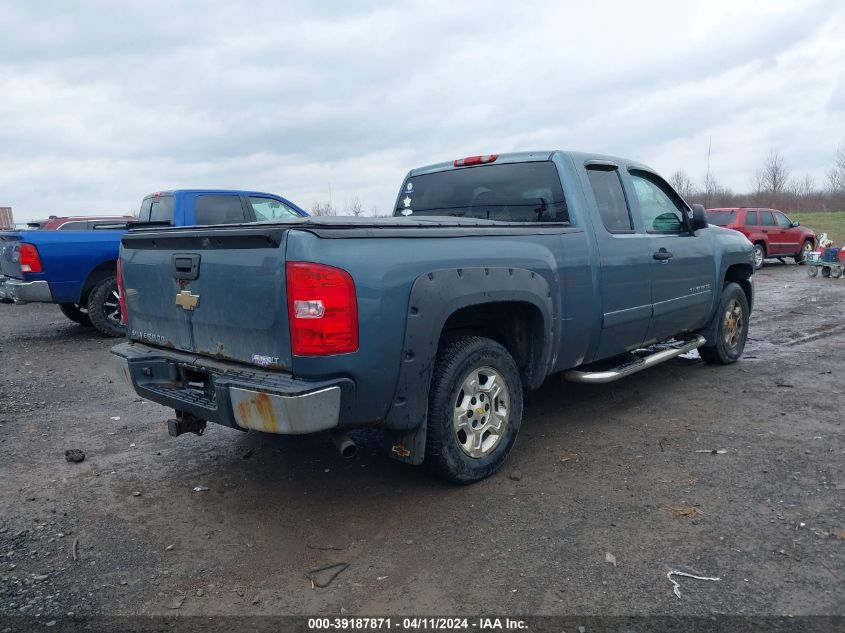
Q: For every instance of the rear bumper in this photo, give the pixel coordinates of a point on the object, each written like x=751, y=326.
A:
x=20, y=291
x=232, y=394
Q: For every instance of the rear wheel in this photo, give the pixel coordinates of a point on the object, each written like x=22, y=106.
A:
x=836, y=272
x=731, y=329
x=804, y=253
x=813, y=270
x=759, y=255
x=474, y=410
x=75, y=313
x=104, y=308
x=825, y=271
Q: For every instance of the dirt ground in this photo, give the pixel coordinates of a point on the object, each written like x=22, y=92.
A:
x=598, y=470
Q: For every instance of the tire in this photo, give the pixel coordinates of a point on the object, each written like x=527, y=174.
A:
x=812, y=270
x=75, y=313
x=806, y=249
x=466, y=371
x=104, y=308
x=825, y=271
x=731, y=333
x=836, y=272
x=759, y=255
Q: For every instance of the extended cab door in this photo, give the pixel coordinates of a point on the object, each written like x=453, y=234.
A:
x=682, y=263
x=624, y=265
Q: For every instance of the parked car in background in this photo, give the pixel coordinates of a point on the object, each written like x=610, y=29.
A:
x=77, y=222
x=76, y=269
x=771, y=232
x=496, y=272
x=189, y=207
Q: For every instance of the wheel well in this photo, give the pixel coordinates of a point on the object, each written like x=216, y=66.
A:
x=741, y=274
x=102, y=271
x=763, y=244
x=517, y=326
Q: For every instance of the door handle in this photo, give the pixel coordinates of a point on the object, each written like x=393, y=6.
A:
x=663, y=255
x=185, y=266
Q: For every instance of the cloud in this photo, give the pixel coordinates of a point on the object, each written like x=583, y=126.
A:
x=103, y=102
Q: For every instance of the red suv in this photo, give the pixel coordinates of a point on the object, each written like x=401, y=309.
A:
x=772, y=233
x=77, y=222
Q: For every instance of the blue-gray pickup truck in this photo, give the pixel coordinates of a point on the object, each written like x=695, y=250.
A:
x=495, y=273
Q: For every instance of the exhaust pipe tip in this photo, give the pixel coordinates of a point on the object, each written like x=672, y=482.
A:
x=345, y=445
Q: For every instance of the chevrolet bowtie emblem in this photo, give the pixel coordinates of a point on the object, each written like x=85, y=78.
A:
x=187, y=300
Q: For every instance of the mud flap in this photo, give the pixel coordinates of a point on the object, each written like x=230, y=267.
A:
x=407, y=446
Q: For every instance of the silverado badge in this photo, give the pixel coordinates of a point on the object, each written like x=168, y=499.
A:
x=187, y=300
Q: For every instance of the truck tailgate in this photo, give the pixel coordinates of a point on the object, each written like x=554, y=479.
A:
x=215, y=292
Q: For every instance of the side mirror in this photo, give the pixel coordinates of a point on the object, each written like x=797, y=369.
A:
x=699, y=218
x=796, y=223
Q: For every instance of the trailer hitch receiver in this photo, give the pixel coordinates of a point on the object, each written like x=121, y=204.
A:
x=185, y=423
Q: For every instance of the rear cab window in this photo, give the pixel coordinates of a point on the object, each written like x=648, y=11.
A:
x=751, y=218
x=506, y=192
x=766, y=218
x=156, y=209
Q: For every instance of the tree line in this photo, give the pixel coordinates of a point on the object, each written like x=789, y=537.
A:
x=772, y=185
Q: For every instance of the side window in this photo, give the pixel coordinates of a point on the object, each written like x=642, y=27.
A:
x=161, y=209
x=610, y=198
x=766, y=218
x=219, y=210
x=73, y=226
x=663, y=211
x=751, y=218
x=144, y=213
x=783, y=221
x=269, y=209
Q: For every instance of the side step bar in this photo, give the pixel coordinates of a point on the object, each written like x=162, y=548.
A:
x=634, y=366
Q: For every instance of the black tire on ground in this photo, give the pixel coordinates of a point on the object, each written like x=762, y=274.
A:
x=104, y=308
x=466, y=402
x=825, y=271
x=75, y=313
x=731, y=328
x=759, y=255
x=801, y=256
x=812, y=271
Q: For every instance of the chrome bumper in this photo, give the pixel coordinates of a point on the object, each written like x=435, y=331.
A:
x=19, y=291
x=273, y=402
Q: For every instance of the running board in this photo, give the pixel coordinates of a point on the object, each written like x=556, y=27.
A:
x=634, y=366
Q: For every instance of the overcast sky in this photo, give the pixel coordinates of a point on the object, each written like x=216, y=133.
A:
x=104, y=102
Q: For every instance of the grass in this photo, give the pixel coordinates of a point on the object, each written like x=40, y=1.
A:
x=832, y=223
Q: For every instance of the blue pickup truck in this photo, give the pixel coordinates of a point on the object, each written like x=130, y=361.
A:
x=497, y=272
x=76, y=269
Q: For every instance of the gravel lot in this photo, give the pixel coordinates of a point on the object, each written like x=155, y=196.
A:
x=597, y=470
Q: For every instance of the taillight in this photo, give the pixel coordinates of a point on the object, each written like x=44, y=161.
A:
x=29, y=259
x=322, y=309
x=121, y=291
x=475, y=160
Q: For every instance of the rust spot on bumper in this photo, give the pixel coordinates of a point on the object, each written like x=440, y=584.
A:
x=257, y=413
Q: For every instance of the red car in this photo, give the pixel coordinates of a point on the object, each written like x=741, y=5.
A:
x=772, y=233
x=77, y=222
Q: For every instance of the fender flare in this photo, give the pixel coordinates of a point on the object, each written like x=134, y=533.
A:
x=434, y=297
